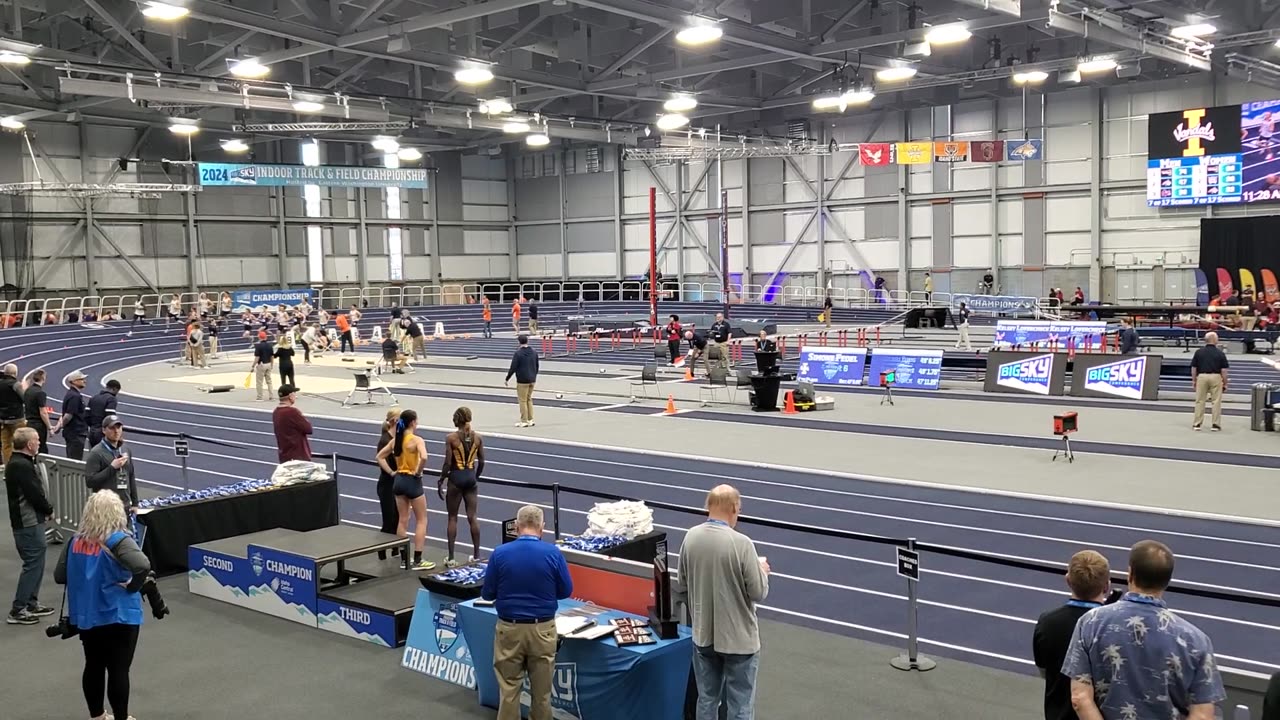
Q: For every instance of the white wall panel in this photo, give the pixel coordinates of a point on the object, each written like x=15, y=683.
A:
x=851, y=188
x=879, y=254
x=919, y=182
x=1066, y=248
x=418, y=268
x=477, y=267
x=971, y=177
x=853, y=220
x=920, y=221
x=1154, y=238
x=593, y=265
x=793, y=223
x=635, y=236
x=972, y=252
x=485, y=242
x=1010, y=174
x=765, y=258
x=538, y=266
x=971, y=219
x=486, y=213
x=921, y=254
x=732, y=173
x=343, y=270
x=1012, y=250
x=1010, y=212
x=1067, y=213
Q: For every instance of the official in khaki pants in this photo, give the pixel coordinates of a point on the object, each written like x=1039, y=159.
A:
x=12, y=412
x=1209, y=378
x=524, y=366
x=526, y=579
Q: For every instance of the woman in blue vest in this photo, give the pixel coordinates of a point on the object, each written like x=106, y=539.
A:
x=104, y=570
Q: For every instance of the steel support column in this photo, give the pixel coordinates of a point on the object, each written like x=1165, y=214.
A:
x=192, y=244
x=89, y=222
x=820, y=197
x=746, y=224
x=904, y=216
x=1095, y=193
x=513, y=246
x=679, y=194
x=433, y=244
x=564, y=241
x=619, y=245
x=362, y=238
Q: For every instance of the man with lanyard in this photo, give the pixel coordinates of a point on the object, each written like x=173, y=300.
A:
x=962, y=324
x=1089, y=577
x=718, y=336
x=110, y=467
x=674, y=334
x=100, y=406
x=764, y=344
x=486, y=313
x=417, y=339
x=74, y=423
x=697, y=350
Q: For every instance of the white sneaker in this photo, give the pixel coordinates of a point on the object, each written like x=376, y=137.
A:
x=530, y=424
x=522, y=424
x=473, y=559
x=451, y=563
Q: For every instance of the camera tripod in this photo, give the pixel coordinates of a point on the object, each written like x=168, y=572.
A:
x=1065, y=450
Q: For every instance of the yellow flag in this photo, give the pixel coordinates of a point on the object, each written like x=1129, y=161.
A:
x=248, y=380
x=915, y=153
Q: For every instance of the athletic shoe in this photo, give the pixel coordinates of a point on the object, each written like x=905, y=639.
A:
x=1217, y=428
x=425, y=565
x=1196, y=428
x=451, y=563
x=22, y=617
x=530, y=424
x=473, y=559
x=522, y=424
x=40, y=610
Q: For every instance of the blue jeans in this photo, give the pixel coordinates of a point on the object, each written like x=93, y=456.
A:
x=31, y=547
x=727, y=679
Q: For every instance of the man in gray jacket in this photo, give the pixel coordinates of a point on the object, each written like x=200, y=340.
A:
x=724, y=579
x=29, y=508
x=108, y=466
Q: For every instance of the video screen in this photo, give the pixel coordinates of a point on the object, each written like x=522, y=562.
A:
x=1209, y=156
x=1260, y=149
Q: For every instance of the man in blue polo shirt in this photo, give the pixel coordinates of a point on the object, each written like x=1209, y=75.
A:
x=526, y=578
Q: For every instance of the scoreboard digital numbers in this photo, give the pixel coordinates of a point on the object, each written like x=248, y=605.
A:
x=1207, y=180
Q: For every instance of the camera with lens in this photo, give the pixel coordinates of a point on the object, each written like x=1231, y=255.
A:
x=64, y=629
x=151, y=592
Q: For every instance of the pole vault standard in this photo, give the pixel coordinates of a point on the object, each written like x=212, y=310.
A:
x=653, y=257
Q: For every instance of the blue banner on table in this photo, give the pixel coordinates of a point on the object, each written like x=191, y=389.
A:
x=913, y=369
x=258, y=299
x=1026, y=373
x=995, y=303
x=355, y=622
x=1047, y=334
x=284, y=584
x=239, y=174
x=436, y=645
x=832, y=366
x=1135, y=377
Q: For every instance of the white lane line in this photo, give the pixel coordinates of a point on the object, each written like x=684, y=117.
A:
x=607, y=407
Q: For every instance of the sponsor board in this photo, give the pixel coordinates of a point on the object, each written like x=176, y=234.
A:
x=262, y=175
x=290, y=577
x=832, y=366
x=995, y=303
x=913, y=369
x=1030, y=375
x=270, y=299
x=436, y=645
x=1046, y=334
x=1134, y=377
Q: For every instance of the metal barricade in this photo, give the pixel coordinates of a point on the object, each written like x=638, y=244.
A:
x=67, y=490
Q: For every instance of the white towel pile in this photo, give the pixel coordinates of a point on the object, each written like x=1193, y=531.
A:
x=626, y=518
x=295, y=472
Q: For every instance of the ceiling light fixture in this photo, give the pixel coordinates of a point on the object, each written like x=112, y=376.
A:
x=409, y=154
x=164, y=11
x=700, y=32
x=180, y=126
x=386, y=144
x=539, y=139
x=11, y=123
x=496, y=106
x=235, y=145
x=308, y=106
x=1096, y=65
x=859, y=96
x=473, y=75
x=1030, y=77
x=249, y=68
x=13, y=58
x=515, y=127
x=828, y=101
x=947, y=34
x=896, y=74
x=1193, y=31
x=680, y=102
x=672, y=121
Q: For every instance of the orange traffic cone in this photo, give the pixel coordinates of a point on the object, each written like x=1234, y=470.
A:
x=790, y=407
x=671, y=406
x=688, y=371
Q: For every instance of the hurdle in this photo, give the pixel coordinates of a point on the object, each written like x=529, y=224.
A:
x=842, y=337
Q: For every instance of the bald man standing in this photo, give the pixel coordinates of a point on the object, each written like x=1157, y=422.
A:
x=724, y=579
x=12, y=410
x=1209, y=378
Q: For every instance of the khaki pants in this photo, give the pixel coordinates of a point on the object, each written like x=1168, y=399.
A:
x=213, y=344
x=826, y=315
x=197, y=355
x=420, y=346
x=263, y=381
x=1248, y=322
x=520, y=649
x=723, y=360
x=6, y=437
x=1208, y=387
x=524, y=392
x=964, y=337
x=533, y=325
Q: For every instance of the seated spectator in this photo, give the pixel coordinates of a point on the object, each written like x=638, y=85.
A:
x=392, y=355
x=1089, y=578
x=1138, y=659
x=89, y=316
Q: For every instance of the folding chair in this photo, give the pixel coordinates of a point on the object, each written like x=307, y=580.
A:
x=717, y=379
x=648, y=376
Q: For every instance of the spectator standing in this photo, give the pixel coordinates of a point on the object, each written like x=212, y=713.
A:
x=1128, y=337
x=1138, y=659
x=674, y=335
x=104, y=571
x=29, y=509
x=962, y=324
x=264, y=354
x=515, y=316
x=724, y=579
x=291, y=427
x=284, y=358
x=928, y=287
x=195, y=341
x=109, y=466
x=100, y=406
x=524, y=366
x=344, y=334
x=718, y=335
x=214, y=327
x=526, y=579
x=74, y=422
x=417, y=339
x=386, y=497
x=1089, y=577
x=35, y=404
x=1209, y=378
x=827, y=306
x=486, y=313
x=533, y=316
x=12, y=411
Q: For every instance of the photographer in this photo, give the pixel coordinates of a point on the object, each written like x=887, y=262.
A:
x=109, y=466
x=105, y=574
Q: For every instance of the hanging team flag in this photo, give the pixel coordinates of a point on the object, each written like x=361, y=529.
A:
x=1024, y=149
x=950, y=151
x=986, y=150
x=915, y=153
x=875, y=154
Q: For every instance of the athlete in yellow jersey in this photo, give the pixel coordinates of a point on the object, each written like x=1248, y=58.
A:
x=463, y=464
x=410, y=454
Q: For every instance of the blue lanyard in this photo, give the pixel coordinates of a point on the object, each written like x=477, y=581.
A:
x=1144, y=599
x=115, y=452
x=718, y=522
x=1083, y=604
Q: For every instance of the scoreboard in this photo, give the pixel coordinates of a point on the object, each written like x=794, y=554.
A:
x=1204, y=180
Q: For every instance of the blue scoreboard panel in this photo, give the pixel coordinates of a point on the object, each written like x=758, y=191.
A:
x=1205, y=180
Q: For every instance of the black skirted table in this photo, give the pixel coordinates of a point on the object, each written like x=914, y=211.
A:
x=171, y=530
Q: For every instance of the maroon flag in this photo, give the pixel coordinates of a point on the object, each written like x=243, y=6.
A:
x=986, y=150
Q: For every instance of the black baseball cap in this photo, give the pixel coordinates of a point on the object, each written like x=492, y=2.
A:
x=287, y=390
x=111, y=421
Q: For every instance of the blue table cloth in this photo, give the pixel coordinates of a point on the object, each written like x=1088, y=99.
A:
x=594, y=679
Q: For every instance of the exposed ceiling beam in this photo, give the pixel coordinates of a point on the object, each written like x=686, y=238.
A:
x=124, y=34
x=355, y=68
x=373, y=8
x=1115, y=38
x=633, y=53
x=830, y=33
x=511, y=41
x=225, y=50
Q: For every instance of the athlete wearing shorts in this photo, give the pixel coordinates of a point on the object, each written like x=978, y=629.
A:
x=459, y=480
x=410, y=454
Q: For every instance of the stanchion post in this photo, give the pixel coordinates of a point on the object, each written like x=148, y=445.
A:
x=912, y=660
x=334, y=458
x=555, y=509
x=186, y=483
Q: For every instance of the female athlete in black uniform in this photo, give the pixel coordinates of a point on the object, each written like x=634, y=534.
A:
x=463, y=464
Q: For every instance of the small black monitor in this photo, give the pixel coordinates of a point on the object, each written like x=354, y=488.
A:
x=766, y=362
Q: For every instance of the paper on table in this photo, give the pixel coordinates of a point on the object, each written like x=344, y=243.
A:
x=566, y=625
x=595, y=632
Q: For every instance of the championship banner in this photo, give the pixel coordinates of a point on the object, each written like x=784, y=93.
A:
x=1024, y=150
x=832, y=366
x=946, y=152
x=242, y=300
x=436, y=645
x=914, y=153
x=1025, y=373
x=986, y=150
x=995, y=303
x=875, y=154
x=914, y=369
x=237, y=174
x=1135, y=377
x=1047, y=333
